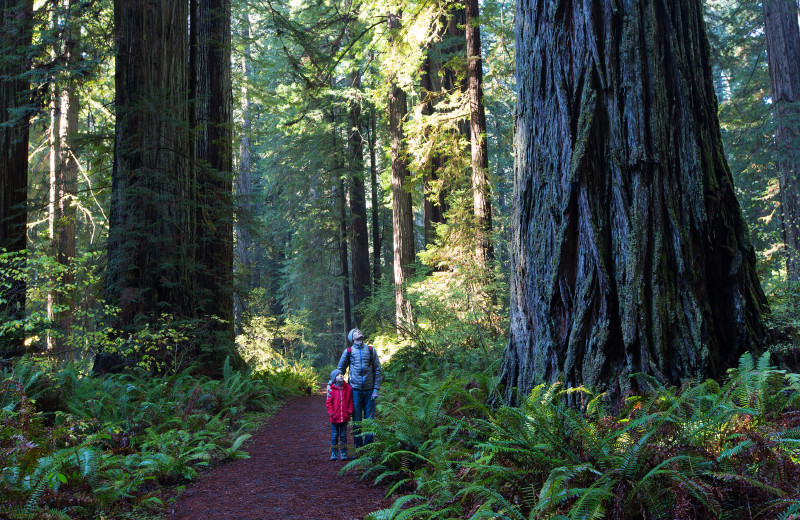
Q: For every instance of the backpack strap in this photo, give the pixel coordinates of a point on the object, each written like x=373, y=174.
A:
x=370, y=352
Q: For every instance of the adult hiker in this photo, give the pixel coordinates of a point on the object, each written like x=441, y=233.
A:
x=365, y=378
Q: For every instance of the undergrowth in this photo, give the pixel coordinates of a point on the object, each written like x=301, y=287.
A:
x=702, y=451
x=75, y=446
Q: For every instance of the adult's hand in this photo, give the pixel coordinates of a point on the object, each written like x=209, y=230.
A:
x=374, y=395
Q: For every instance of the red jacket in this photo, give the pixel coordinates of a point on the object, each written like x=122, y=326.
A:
x=340, y=403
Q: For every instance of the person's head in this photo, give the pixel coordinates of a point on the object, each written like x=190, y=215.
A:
x=337, y=377
x=355, y=336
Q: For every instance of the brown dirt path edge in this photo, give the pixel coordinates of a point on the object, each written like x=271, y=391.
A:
x=288, y=475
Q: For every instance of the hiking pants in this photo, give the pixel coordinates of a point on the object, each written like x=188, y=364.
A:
x=364, y=408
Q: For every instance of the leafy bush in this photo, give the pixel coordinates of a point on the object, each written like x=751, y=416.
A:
x=113, y=442
x=701, y=451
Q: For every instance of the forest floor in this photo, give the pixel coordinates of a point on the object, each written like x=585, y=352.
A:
x=288, y=476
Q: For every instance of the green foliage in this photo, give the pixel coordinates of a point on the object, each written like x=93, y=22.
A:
x=783, y=323
x=104, y=444
x=701, y=451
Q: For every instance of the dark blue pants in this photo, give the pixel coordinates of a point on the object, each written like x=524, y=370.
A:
x=364, y=408
x=338, y=431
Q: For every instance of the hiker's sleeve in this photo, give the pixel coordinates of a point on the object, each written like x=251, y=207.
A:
x=329, y=405
x=351, y=409
x=344, y=361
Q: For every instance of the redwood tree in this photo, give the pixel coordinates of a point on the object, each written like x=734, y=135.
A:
x=629, y=251
x=151, y=230
x=783, y=50
x=357, y=199
x=213, y=105
x=402, y=213
x=15, y=34
x=481, y=198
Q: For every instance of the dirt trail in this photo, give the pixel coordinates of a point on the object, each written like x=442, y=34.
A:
x=288, y=475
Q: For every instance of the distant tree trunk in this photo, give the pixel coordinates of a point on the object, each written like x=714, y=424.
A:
x=402, y=212
x=343, y=260
x=783, y=51
x=629, y=251
x=54, y=160
x=15, y=35
x=376, y=202
x=432, y=210
x=214, y=166
x=357, y=200
x=151, y=232
x=66, y=213
x=244, y=182
x=482, y=202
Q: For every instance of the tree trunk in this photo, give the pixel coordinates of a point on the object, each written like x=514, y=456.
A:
x=15, y=38
x=629, y=251
x=376, y=202
x=64, y=104
x=66, y=213
x=54, y=166
x=432, y=209
x=343, y=262
x=244, y=183
x=151, y=232
x=357, y=199
x=402, y=213
x=214, y=167
x=481, y=198
x=783, y=51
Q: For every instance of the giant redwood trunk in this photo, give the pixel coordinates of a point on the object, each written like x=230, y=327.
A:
x=150, y=231
x=402, y=213
x=629, y=251
x=15, y=38
x=213, y=112
x=783, y=51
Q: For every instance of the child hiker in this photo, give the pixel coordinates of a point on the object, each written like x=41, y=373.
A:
x=340, y=409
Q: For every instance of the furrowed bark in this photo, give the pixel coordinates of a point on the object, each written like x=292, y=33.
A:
x=629, y=250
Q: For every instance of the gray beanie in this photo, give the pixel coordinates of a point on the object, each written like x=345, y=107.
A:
x=354, y=334
x=335, y=373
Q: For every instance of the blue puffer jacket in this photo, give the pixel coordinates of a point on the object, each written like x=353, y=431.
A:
x=365, y=367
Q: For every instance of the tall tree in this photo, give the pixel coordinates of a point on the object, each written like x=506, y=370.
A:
x=213, y=112
x=151, y=231
x=244, y=179
x=64, y=167
x=481, y=197
x=15, y=35
x=356, y=197
x=431, y=86
x=783, y=51
x=347, y=313
x=629, y=251
x=402, y=212
x=440, y=79
x=376, y=202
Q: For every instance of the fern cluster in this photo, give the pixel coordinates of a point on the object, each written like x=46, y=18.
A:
x=702, y=451
x=74, y=446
